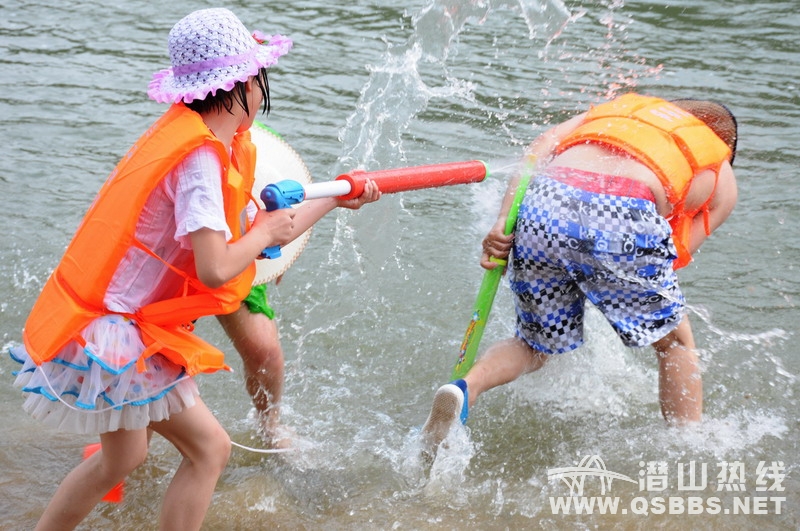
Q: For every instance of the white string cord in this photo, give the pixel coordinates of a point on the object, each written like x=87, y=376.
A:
x=263, y=450
x=173, y=384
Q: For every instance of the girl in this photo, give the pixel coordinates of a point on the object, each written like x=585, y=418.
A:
x=108, y=347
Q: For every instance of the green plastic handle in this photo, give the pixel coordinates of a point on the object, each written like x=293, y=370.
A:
x=488, y=289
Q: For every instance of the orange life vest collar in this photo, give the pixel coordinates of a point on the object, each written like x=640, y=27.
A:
x=670, y=141
x=74, y=294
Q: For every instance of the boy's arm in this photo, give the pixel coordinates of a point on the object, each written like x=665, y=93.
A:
x=722, y=203
x=497, y=244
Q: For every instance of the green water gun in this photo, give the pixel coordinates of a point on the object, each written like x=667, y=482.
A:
x=489, y=285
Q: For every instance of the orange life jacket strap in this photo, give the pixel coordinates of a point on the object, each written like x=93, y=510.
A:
x=187, y=280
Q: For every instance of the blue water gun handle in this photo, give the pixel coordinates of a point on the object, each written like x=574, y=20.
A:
x=282, y=194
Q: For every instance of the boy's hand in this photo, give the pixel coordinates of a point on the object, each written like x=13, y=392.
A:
x=496, y=244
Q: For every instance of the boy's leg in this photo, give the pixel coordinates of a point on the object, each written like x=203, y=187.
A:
x=255, y=338
x=679, y=378
x=502, y=363
x=205, y=447
x=83, y=488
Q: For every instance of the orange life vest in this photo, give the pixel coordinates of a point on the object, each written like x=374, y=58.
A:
x=74, y=294
x=670, y=141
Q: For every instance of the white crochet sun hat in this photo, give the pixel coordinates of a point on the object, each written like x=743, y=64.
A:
x=211, y=50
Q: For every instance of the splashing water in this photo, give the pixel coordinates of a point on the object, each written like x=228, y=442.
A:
x=411, y=75
x=484, y=84
x=604, y=389
x=448, y=471
x=396, y=91
x=504, y=168
x=395, y=94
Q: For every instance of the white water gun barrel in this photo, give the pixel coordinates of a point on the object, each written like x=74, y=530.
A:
x=326, y=189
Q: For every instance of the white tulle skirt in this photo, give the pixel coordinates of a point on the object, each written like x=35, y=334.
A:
x=98, y=388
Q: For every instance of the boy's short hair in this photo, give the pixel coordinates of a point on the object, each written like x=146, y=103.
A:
x=716, y=116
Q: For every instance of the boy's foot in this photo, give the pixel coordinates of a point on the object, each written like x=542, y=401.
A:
x=449, y=405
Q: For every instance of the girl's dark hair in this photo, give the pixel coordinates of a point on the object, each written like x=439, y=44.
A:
x=238, y=94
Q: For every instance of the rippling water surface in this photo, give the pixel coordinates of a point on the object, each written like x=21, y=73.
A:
x=373, y=312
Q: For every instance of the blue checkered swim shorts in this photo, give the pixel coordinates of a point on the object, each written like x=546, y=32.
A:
x=587, y=236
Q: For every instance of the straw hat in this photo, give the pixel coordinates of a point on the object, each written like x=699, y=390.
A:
x=211, y=50
x=716, y=116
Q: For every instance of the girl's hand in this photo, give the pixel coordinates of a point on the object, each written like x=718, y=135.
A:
x=276, y=227
x=496, y=244
x=371, y=194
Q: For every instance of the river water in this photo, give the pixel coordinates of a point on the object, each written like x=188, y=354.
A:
x=373, y=312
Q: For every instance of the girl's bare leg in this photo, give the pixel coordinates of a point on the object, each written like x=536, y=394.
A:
x=205, y=447
x=122, y=451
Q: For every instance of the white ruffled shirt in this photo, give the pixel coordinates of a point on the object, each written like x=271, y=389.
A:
x=187, y=200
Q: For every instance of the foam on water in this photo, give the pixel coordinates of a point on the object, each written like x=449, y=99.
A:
x=603, y=398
